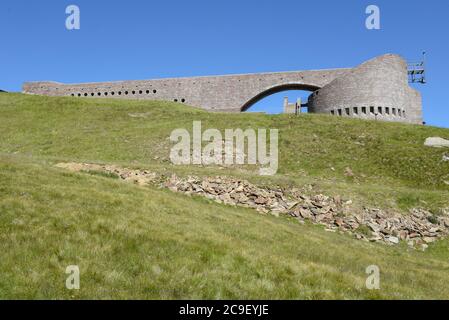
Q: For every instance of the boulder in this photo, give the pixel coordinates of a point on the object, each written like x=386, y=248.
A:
x=436, y=142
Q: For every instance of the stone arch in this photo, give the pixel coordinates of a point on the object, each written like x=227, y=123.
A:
x=276, y=89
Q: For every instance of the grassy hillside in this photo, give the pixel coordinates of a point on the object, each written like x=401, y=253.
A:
x=133, y=242
x=390, y=164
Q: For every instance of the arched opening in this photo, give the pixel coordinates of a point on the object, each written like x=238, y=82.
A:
x=273, y=100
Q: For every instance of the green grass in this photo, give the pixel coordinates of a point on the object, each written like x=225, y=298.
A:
x=134, y=242
x=389, y=160
x=102, y=174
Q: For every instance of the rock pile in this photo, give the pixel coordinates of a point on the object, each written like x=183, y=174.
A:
x=234, y=192
x=419, y=228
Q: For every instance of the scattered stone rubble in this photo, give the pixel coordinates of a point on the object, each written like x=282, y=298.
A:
x=369, y=225
x=418, y=229
x=234, y=192
x=445, y=157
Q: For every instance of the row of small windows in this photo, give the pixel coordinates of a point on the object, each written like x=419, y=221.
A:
x=379, y=111
x=113, y=93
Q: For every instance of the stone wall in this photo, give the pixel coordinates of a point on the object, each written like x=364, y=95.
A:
x=379, y=85
x=377, y=89
x=233, y=93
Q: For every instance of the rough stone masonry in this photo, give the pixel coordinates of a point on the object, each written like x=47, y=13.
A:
x=377, y=89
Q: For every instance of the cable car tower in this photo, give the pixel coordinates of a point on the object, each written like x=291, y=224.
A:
x=417, y=71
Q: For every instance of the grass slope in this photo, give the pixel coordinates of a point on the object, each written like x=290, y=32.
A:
x=391, y=166
x=133, y=242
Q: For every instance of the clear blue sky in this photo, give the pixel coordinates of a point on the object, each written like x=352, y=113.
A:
x=133, y=39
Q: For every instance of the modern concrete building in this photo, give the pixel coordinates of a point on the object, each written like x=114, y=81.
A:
x=377, y=89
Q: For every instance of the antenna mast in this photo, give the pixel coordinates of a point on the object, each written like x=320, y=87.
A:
x=417, y=70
